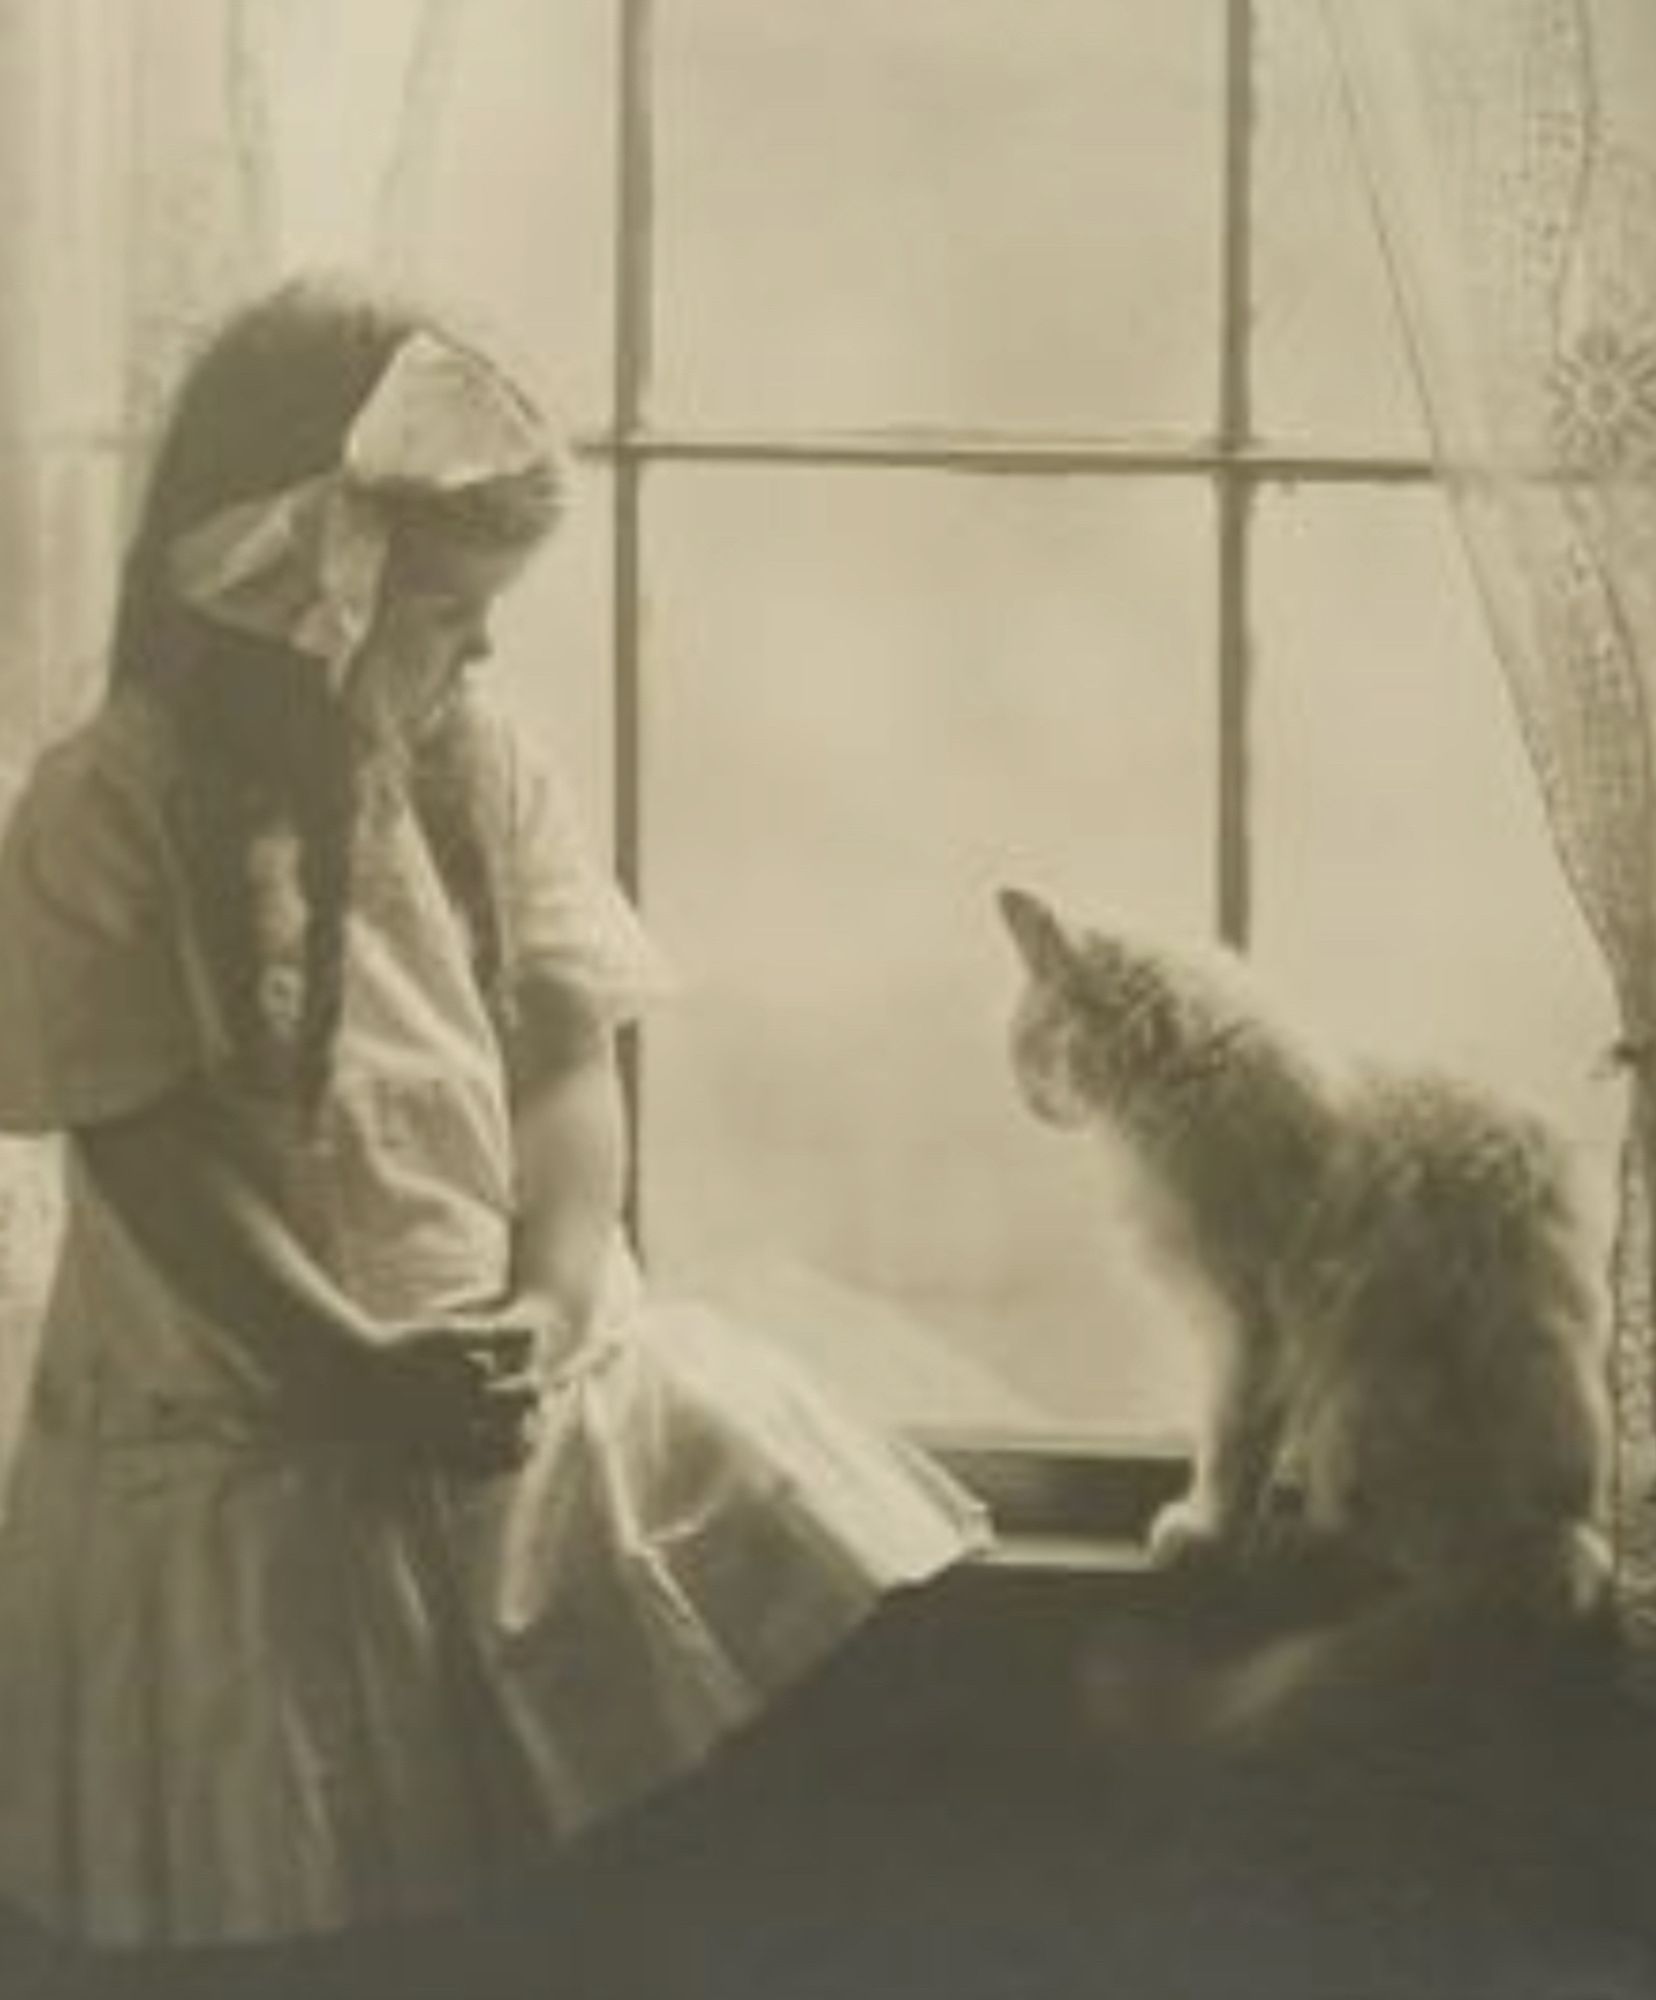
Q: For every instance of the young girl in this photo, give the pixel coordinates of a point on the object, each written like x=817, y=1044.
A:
x=370, y=1528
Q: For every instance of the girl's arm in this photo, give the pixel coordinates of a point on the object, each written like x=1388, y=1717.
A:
x=570, y=1134
x=216, y=1237
x=208, y=1227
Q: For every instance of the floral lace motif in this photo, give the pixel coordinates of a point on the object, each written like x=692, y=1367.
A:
x=1604, y=401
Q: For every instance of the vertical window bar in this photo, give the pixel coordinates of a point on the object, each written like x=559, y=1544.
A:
x=634, y=318
x=634, y=315
x=1234, y=485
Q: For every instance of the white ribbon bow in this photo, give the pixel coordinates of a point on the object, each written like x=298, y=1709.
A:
x=305, y=565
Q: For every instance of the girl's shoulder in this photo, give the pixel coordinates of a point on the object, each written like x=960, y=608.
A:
x=123, y=754
x=97, y=1011
x=90, y=826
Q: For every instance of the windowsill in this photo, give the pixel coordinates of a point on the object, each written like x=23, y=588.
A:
x=1065, y=1556
x=1072, y=1513
x=1059, y=1491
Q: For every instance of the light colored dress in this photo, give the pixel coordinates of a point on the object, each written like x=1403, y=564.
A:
x=252, y=1685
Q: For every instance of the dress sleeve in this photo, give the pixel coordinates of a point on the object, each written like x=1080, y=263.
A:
x=95, y=1013
x=572, y=926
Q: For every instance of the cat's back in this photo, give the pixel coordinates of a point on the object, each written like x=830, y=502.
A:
x=1465, y=1164
x=1451, y=1230
x=1449, y=1334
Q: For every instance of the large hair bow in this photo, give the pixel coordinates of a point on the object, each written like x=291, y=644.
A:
x=304, y=565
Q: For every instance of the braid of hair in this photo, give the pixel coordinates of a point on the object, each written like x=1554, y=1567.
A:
x=269, y=809
x=272, y=794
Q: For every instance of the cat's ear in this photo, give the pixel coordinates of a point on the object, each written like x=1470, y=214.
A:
x=1043, y=943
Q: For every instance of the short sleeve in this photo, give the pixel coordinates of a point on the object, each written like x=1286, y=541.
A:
x=95, y=1016
x=572, y=927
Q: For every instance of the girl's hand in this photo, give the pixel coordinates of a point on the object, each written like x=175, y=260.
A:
x=466, y=1399
x=556, y=1333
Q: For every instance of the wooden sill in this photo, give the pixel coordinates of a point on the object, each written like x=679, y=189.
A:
x=1066, y=1555
x=1072, y=1513
x=1068, y=1492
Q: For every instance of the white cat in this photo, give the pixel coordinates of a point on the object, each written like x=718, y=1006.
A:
x=1411, y=1348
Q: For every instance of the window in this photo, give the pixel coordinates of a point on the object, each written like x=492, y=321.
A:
x=1007, y=467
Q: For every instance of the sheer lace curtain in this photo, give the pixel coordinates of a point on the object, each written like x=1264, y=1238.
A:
x=1511, y=150
x=159, y=159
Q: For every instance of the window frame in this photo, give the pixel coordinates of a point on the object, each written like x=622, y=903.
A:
x=1231, y=460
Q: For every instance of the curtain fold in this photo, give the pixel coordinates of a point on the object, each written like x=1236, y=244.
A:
x=345, y=102
x=1510, y=149
x=130, y=217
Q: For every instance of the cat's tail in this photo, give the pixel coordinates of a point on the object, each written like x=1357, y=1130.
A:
x=1323, y=1684
x=1407, y=1655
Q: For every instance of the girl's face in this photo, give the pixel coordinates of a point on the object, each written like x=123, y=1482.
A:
x=432, y=625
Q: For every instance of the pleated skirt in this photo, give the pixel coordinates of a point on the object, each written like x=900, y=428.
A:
x=251, y=1689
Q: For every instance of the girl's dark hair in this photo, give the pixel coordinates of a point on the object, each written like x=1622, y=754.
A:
x=269, y=763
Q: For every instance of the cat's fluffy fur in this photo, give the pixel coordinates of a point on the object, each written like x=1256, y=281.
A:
x=1411, y=1349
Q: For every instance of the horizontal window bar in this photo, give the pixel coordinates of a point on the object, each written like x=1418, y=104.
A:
x=918, y=451
x=964, y=452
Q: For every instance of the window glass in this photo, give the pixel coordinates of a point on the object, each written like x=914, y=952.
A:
x=1330, y=364
x=983, y=212
x=515, y=189
x=872, y=699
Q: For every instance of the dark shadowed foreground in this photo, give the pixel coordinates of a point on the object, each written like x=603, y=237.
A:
x=992, y=1797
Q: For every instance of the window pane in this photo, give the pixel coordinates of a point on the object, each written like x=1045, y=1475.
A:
x=978, y=211
x=514, y=196
x=335, y=96
x=1408, y=892
x=1331, y=367
x=872, y=699
x=553, y=639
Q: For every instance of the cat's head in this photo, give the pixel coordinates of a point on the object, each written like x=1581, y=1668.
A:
x=1173, y=1050
x=1107, y=1017
x=1047, y=1022
x=1105, y=1021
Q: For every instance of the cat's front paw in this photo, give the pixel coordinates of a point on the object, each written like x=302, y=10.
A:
x=1188, y=1533
x=1570, y=1579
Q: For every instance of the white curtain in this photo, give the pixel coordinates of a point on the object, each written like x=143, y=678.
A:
x=1511, y=151
x=126, y=204
x=159, y=160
